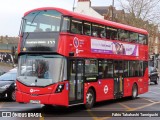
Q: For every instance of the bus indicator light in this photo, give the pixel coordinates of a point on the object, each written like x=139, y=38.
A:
x=59, y=88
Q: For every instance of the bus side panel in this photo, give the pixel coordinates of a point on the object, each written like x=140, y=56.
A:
x=141, y=84
x=103, y=88
x=83, y=49
x=126, y=91
x=143, y=52
x=146, y=81
x=128, y=84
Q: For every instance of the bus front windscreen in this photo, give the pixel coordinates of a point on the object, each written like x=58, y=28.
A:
x=40, y=30
x=41, y=70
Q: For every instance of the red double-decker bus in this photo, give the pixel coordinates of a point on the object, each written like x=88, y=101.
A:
x=66, y=59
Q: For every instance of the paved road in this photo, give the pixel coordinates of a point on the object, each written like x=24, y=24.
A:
x=102, y=111
x=5, y=68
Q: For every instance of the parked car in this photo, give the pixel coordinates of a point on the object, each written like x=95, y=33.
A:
x=153, y=75
x=7, y=84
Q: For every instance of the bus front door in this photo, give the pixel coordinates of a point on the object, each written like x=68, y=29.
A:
x=76, y=81
x=118, y=79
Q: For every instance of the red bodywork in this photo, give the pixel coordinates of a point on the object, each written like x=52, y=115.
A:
x=47, y=95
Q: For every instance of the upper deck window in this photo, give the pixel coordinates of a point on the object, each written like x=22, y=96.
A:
x=133, y=37
x=87, y=28
x=65, y=24
x=111, y=33
x=42, y=21
x=98, y=30
x=123, y=35
x=76, y=26
x=142, y=39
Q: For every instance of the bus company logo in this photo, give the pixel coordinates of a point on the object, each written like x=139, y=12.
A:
x=32, y=90
x=76, y=42
x=105, y=89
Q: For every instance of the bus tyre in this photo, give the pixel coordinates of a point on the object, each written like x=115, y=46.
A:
x=12, y=95
x=134, y=91
x=157, y=81
x=90, y=99
x=47, y=106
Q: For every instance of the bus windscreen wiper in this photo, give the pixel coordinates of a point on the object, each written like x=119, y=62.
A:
x=35, y=17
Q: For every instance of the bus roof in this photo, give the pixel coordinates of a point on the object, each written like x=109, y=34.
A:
x=92, y=19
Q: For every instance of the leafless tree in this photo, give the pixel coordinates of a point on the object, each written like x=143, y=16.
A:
x=144, y=14
x=145, y=10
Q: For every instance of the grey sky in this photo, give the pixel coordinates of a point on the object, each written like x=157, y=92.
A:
x=12, y=11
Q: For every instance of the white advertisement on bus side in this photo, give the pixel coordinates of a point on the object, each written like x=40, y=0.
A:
x=109, y=47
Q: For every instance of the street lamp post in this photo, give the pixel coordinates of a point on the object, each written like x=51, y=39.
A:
x=73, y=5
x=112, y=10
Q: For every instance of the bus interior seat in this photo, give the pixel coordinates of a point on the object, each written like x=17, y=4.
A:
x=38, y=30
x=48, y=29
x=95, y=34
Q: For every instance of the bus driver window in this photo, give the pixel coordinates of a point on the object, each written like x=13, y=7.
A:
x=38, y=29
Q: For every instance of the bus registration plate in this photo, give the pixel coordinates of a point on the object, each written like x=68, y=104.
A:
x=35, y=101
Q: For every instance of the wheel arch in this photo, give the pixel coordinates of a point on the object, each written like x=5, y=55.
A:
x=95, y=95
x=135, y=83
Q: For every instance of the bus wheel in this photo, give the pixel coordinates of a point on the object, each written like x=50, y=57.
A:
x=12, y=95
x=48, y=106
x=90, y=99
x=134, y=91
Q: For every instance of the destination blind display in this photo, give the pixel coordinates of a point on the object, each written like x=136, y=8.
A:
x=39, y=45
x=39, y=42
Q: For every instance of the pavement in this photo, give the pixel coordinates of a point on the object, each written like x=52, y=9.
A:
x=5, y=67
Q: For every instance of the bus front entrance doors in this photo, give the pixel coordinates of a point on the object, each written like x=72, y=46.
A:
x=118, y=79
x=76, y=81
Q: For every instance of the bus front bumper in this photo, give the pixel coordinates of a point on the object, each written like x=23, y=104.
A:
x=58, y=99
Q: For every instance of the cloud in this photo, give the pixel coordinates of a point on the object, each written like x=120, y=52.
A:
x=13, y=10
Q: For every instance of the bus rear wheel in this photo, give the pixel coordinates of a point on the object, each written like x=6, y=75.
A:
x=90, y=99
x=134, y=91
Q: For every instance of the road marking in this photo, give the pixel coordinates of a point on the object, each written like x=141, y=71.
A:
x=132, y=109
x=92, y=115
x=154, y=92
x=144, y=106
x=110, y=108
x=125, y=106
x=42, y=117
x=149, y=100
x=104, y=118
x=155, y=88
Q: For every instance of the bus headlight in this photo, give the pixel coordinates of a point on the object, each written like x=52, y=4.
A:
x=59, y=88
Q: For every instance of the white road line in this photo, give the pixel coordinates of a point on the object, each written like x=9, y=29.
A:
x=155, y=92
x=155, y=88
